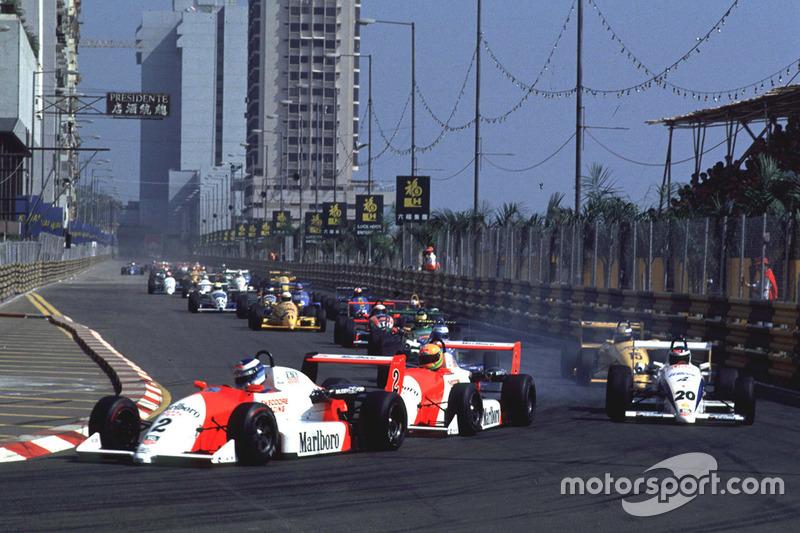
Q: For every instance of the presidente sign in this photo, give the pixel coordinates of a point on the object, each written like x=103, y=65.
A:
x=413, y=199
x=369, y=213
x=137, y=105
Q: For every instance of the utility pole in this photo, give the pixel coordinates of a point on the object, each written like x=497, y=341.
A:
x=477, y=112
x=578, y=110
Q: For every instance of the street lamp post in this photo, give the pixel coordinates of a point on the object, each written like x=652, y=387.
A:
x=364, y=22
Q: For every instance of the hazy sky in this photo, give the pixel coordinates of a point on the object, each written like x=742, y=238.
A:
x=625, y=43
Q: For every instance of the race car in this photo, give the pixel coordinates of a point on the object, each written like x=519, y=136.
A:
x=681, y=390
x=408, y=335
x=214, y=300
x=339, y=303
x=285, y=315
x=286, y=415
x=359, y=324
x=131, y=269
x=461, y=397
x=594, y=358
x=160, y=282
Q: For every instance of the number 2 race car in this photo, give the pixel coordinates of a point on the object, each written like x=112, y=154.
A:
x=454, y=400
x=288, y=415
x=679, y=390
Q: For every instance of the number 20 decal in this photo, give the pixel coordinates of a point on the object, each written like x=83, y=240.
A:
x=680, y=395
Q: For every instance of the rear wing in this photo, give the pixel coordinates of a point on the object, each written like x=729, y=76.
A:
x=396, y=364
x=514, y=347
x=592, y=326
x=696, y=346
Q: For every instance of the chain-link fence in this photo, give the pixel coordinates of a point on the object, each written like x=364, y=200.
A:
x=47, y=248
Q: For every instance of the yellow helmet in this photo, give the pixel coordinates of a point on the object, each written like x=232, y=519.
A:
x=431, y=357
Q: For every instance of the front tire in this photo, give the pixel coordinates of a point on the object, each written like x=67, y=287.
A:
x=383, y=421
x=466, y=405
x=194, y=302
x=117, y=420
x=619, y=392
x=518, y=399
x=255, y=430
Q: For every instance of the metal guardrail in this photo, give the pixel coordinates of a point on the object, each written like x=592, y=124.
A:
x=760, y=337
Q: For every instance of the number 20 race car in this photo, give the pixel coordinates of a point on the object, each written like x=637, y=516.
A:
x=459, y=398
x=287, y=415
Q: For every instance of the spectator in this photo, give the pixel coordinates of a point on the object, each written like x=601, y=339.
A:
x=766, y=289
x=429, y=260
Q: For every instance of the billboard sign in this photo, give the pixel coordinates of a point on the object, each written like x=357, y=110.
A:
x=137, y=105
x=413, y=199
x=369, y=213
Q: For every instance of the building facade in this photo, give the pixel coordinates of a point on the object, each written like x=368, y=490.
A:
x=302, y=106
x=197, y=54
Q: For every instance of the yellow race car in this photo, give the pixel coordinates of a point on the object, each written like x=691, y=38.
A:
x=603, y=344
x=285, y=316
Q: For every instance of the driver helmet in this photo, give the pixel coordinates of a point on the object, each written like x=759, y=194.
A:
x=421, y=315
x=379, y=309
x=440, y=332
x=299, y=286
x=248, y=371
x=414, y=302
x=286, y=296
x=431, y=356
x=623, y=333
x=680, y=355
x=358, y=291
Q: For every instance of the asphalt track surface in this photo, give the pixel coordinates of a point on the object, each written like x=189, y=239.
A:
x=507, y=479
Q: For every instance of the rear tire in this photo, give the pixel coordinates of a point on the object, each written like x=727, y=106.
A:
x=322, y=322
x=466, y=405
x=619, y=392
x=117, y=420
x=518, y=399
x=255, y=318
x=241, y=306
x=725, y=383
x=586, y=366
x=349, y=333
x=745, y=399
x=338, y=328
x=255, y=430
x=383, y=421
x=374, y=345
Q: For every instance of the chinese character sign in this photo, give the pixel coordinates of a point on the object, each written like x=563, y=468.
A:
x=264, y=231
x=369, y=213
x=334, y=215
x=281, y=221
x=313, y=227
x=412, y=201
x=137, y=105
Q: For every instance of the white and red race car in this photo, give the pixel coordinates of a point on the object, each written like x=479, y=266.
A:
x=288, y=415
x=461, y=397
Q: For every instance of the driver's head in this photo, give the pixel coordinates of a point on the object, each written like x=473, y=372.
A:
x=431, y=356
x=286, y=296
x=440, y=332
x=680, y=355
x=623, y=333
x=248, y=371
x=358, y=291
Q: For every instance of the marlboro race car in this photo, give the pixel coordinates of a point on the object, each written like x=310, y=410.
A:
x=684, y=390
x=461, y=396
x=286, y=415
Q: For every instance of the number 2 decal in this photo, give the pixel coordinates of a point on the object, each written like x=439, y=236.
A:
x=396, y=380
x=680, y=395
x=161, y=425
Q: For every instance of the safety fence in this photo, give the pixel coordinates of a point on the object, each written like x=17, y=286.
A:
x=760, y=337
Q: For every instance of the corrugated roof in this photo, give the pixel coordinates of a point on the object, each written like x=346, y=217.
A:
x=778, y=103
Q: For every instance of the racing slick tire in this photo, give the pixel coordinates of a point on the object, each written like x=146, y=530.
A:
x=745, y=399
x=255, y=318
x=568, y=360
x=309, y=310
x=518, y=399
x=254, y=429
x=338, y=328
x=185, y=291
x=619, y=391
x=585, y=367
x=241, y=306
x=332, y=308
x=117, y=420
x=349, y=333
x=322, y=322
x=466, y=405
x=383, y=421
x=151, y=287
x=374, y=344
x=194, y=302
x=122, y=271
x=725, y=383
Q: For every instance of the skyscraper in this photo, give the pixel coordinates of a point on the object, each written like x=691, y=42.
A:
x=302, y=105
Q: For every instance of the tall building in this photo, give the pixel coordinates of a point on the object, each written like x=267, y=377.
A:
x=302, y=105
x=197, y=54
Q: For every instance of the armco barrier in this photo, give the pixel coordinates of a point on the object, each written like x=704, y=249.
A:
x=16, y=278
x=759, y=337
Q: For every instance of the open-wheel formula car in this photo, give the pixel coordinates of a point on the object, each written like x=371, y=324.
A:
x=361, y=323
x=683, y=390
x=285, y=315
x=461, y=397
x=285, y=415
x=215, y=300
x=161, y=281
x=595, y=356
x=132, y=269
